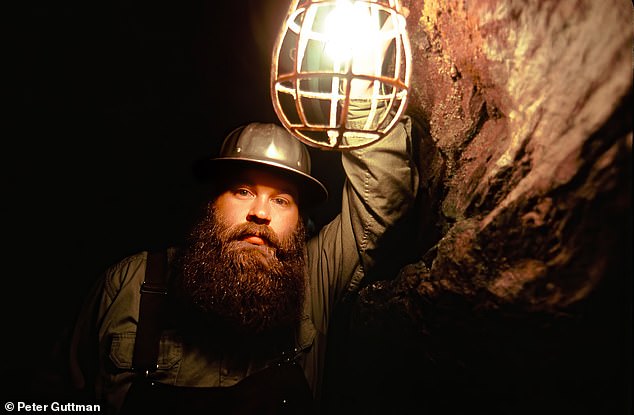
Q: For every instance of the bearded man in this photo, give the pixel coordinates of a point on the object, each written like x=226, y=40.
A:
x=250, y=295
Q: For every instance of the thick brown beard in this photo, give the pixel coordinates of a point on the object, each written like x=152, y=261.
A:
x=251, y=290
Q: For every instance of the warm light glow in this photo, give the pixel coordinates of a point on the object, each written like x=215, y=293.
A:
x=332, y=58
x=349, y=27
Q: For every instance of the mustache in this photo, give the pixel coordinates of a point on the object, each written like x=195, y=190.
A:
x=247, y=229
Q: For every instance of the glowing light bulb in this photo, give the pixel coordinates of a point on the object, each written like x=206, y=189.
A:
x=349, y=30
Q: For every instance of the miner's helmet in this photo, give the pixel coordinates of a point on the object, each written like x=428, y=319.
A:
x=269, y=146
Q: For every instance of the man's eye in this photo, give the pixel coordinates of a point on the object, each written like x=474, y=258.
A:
x=281, y=201
x=242, y=192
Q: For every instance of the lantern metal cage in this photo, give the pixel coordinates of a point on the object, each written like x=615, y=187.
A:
x=316, y=93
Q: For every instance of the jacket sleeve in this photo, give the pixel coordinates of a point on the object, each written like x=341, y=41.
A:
x=379, y=190
x=83, y=357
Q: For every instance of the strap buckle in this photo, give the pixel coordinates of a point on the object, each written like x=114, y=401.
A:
x=149, y=288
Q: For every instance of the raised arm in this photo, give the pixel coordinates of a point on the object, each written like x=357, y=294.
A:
x=379, y=189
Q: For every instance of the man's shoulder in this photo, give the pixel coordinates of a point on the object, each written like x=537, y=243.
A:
x=130, y=260
x=133, y=266
x=140, y=257
x=123, y=272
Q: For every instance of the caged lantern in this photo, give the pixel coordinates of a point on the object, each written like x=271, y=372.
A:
x=340, y=72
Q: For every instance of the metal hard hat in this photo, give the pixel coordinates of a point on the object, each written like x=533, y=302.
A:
x=268, y=144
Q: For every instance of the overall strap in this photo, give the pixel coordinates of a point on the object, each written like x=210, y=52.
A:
x=151, y=313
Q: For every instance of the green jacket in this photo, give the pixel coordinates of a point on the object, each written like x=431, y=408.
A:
x=379, y=189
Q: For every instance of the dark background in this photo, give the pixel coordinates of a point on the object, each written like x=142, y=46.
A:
x=116, y=102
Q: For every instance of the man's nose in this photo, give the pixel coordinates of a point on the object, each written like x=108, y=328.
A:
x=259, y=212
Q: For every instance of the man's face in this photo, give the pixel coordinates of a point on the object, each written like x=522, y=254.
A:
x=260, y=197
x=245, y=262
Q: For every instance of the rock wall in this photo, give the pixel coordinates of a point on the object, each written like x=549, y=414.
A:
x=520, y=298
